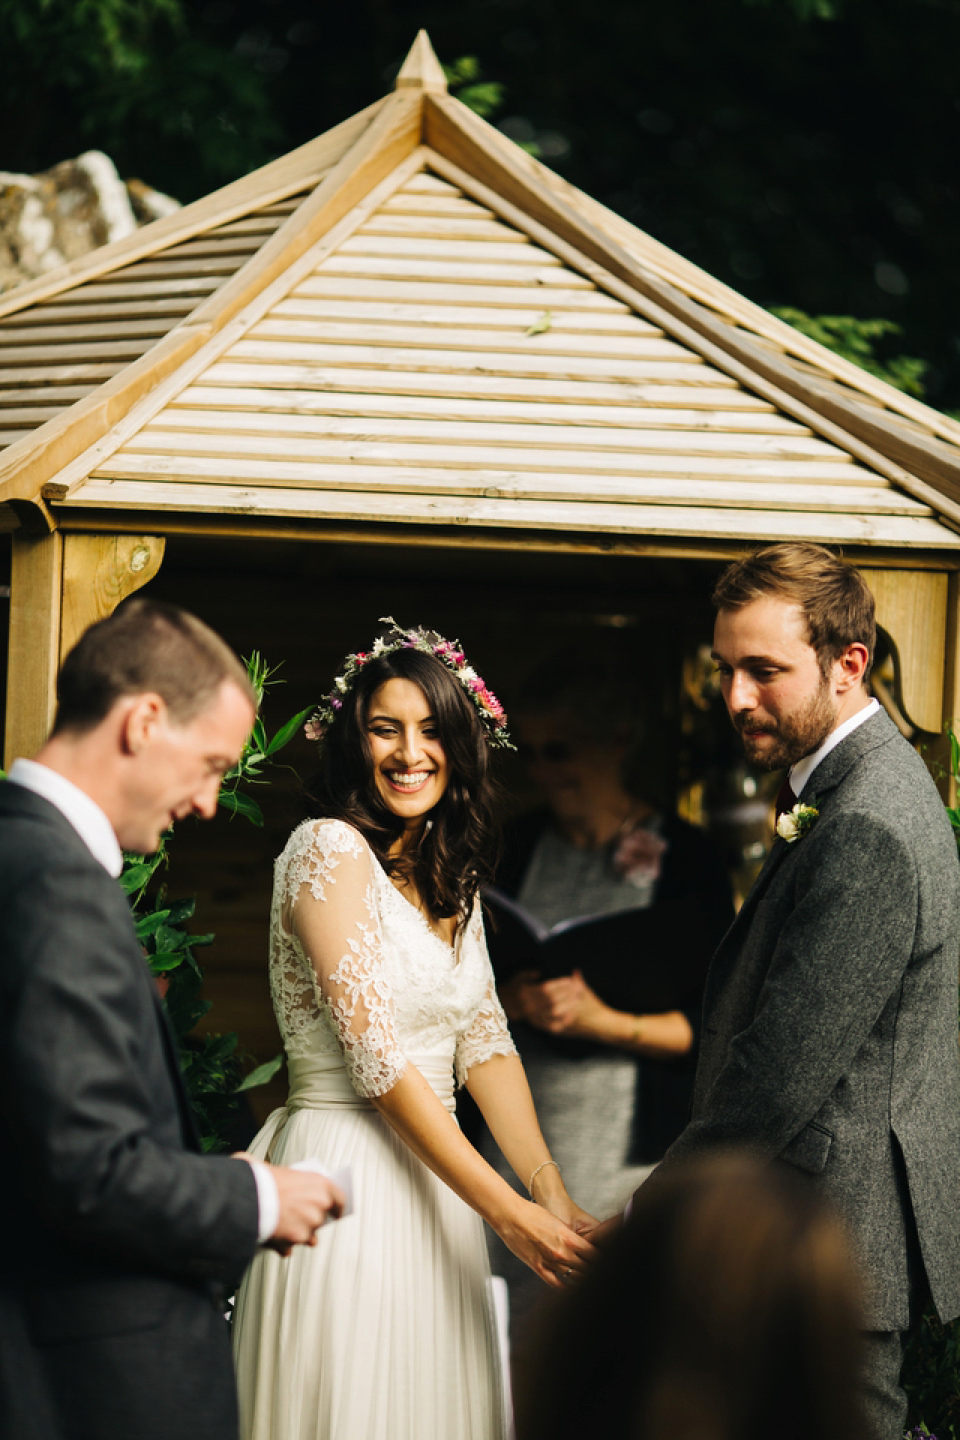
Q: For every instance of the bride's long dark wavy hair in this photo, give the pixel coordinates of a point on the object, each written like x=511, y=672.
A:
x=459, y=851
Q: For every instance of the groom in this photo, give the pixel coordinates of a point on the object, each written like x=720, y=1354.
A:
x=118, y=1236
x=830, y=1014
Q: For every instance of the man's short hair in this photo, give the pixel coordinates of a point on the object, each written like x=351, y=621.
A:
x=838, y=608
x=145, y=647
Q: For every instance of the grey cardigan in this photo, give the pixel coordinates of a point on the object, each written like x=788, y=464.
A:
x=830, y=1016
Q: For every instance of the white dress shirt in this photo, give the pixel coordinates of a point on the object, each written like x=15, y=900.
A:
x=800, y=773
x=97, y=833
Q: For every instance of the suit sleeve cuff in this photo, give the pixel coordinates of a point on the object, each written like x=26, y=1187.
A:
x=268, y=1202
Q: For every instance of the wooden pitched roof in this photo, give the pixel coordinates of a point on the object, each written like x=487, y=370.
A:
x=447, y=334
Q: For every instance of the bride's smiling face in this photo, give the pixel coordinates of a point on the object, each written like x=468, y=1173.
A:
x=410, y=765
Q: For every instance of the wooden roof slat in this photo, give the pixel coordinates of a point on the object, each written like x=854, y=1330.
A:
x=19, y=355
x=653, y=520
x=792, y=443
x=386, y=312
x=427, y=183
x=214, y=245
x=378, y=267
x=160, y=310
x=42, y=394
x=407, y=203
x=434, y=292
x=60, y=374
x=650, y=488
x=454, y=249
x=172, y=269
x=107, y=291
x=56, y=335
x=432, y=227
x=685, y=379
x=532, y=363
x=260, y=222
x=26, y=417
x=466, y=456
x=467, y=406
x=554, y=342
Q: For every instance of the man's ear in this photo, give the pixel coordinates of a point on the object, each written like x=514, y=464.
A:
x=140, y=722
x=849, y=667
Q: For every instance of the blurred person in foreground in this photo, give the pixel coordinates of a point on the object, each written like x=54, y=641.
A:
x=639, y=900
x=726, y=1308
x=830, y=1012
x=120, y=1236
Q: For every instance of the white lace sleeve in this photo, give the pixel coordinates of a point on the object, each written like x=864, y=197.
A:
x=330, y=899
x=488, y=1034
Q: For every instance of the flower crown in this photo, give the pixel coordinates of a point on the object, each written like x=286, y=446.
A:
x=492, y=714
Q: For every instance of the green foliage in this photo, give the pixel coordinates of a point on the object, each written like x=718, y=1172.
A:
x=484, y=97
x=857, y=340
x=212, y=1065
x=804, y=9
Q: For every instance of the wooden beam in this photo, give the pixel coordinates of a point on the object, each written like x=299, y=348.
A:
x=480, y=152
x=912, y=607
x=35, y=597
x=391, y=136
x=98, y=572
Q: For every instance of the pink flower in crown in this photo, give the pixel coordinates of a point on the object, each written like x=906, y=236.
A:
x=314, y=730
x=638, y=855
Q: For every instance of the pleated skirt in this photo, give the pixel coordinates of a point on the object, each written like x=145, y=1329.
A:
x=383, y=1331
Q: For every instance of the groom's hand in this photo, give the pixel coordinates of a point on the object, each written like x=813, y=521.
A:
x=306, y=1201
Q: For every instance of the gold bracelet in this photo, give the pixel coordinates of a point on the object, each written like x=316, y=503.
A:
x=537, y=1172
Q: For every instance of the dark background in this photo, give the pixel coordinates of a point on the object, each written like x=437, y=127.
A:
x=807, y=161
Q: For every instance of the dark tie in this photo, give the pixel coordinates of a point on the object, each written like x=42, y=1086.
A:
x=785, y=798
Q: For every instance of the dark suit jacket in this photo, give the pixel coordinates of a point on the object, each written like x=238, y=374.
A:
x=117, y=1233
x=830, y=1017
x=692, y=907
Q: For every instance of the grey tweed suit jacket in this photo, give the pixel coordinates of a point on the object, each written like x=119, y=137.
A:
x=830, y=1017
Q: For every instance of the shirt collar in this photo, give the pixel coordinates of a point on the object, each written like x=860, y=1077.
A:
x=75, y=805
x=800, y=773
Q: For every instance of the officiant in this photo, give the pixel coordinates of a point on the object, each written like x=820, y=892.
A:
x=605, y=1012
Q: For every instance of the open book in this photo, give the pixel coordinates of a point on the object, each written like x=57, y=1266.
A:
x=626, y=957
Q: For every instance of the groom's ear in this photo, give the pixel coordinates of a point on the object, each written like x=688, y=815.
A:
x=850, y=667
x=142, y=719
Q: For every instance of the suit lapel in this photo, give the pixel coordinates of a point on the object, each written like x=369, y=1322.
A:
x=17, y=800
x=829, y=774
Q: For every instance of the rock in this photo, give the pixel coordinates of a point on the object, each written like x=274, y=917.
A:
x=51, y=218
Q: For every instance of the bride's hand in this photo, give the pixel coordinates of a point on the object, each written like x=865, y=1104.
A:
x=552, y=1249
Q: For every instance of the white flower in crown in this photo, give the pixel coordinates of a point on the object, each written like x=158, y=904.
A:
x=794, y=824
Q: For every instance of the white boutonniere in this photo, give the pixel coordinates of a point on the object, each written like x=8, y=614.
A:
x=794, y=824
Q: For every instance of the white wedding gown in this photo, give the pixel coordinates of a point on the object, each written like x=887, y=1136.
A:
x=385, y=1330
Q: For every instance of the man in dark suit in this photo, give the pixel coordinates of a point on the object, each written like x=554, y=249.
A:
x=830, y=1013
x=119, y=1237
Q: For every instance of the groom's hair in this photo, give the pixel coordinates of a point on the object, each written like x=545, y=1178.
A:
x=837, y=606
x=145, y=647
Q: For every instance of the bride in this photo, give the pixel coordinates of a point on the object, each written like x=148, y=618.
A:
x=383, y=990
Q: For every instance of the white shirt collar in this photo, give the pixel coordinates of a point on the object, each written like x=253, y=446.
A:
x=75, y=805
x=800, y=773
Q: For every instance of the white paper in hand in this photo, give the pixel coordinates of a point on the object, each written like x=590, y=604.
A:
x=341, y=1178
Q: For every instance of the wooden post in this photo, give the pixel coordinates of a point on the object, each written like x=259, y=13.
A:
x=912, y=606
x=60, y=585
x=36, y=578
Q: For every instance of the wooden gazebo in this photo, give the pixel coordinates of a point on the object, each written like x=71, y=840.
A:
x=409, y=332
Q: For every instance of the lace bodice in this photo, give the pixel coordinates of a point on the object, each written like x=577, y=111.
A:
x=356, y=970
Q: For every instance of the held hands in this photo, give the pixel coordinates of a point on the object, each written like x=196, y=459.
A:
x=306, y=1201
x=565, y=1006
x=551, y=1248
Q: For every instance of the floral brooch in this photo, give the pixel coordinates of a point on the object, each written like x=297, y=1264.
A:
x=794, y=824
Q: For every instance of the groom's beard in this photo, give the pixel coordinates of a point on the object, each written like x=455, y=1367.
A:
x=789, y=739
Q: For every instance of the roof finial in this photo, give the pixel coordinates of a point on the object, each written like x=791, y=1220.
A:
x=421, y=70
